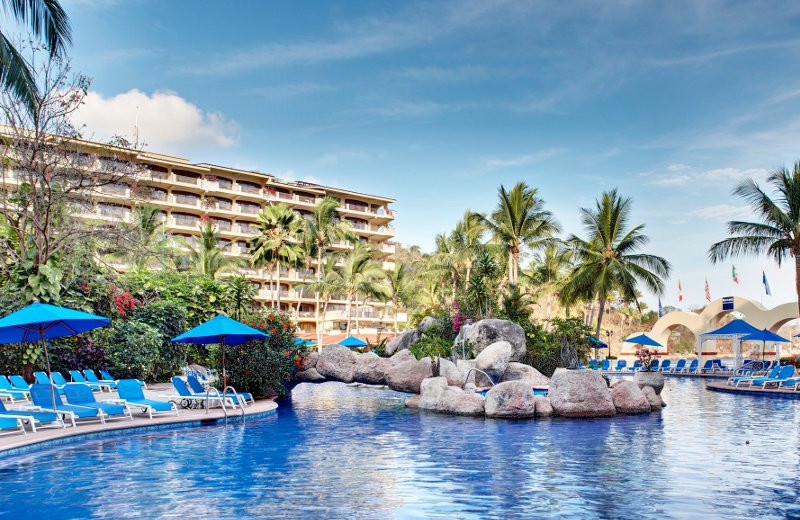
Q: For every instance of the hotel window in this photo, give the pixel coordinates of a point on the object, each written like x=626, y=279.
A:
x=186, y=177
x=248, y=187
x=112, y=210
x=114, y=188
x=157, y=172
x=156, y=194
x=245, y=207
x=357, y=224
x=224, y=204
x=185, y=198
x=355, y=205
x=222, y=224
x=224, y=184
x=182, y=219
x=247, y=227
x=305, y=197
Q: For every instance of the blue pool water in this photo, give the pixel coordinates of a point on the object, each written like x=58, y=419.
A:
x=349, y=453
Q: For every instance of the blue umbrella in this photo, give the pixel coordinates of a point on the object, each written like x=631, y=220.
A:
x=643, y=339
x=223, y=330
x=300, y=342
x=763, y=336
x=353, y=342
x=42, y=321
x=596, y=343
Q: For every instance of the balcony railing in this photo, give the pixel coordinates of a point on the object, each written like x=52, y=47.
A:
x=222, y=225
x=186, y=179
x=247, y=208
x=224, y=184
x=186, y=199
x=185, y=221
x=306, y=199
x=114, y=189
x=225, y=206
x=158, y=195
x=249, y=188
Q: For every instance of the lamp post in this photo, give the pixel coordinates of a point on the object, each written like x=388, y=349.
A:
x=608, y=341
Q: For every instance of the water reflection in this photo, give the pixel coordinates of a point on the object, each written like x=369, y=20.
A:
x=341, y=452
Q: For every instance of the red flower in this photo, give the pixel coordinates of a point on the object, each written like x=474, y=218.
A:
x=286, y=325
x=247, y=372
x=270, y=318
x=273, y=330
x=287, y=353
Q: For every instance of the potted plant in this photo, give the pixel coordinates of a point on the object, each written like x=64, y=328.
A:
x=647, y=376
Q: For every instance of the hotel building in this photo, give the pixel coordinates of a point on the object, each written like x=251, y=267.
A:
x=190, y=193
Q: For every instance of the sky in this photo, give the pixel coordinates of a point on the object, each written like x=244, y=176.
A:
x=437, y=104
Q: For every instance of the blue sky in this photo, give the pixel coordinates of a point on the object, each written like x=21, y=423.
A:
x=438, y=103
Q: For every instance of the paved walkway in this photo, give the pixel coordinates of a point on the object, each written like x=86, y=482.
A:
x=18, y=440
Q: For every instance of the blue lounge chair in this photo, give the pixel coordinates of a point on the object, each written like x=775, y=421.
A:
x=784, y=373
x=79, y=394
x=191, y=399
x=708, y=366
x=42, y=379
x=636, y=366
x=32, y=418
x=593, y=364
x=653, y=365
x=10, y=425
x=77, y=377
x=621, y=364
x=41, y=398
x=130, y=391
x=605, y=365
x=197, y=388
x=58, y=379
x=692, y=367
x=746, y=380
x=18, y=382
x=107, y=377
x=91, y=377
x=679, y=366
x=8, y=391
x=666, y=365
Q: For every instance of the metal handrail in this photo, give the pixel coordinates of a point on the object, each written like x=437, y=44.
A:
x=239, y=399
x=221, y=402
x=476, y=370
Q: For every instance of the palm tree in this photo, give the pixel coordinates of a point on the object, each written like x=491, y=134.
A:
x=279, y=228
x=607, y=259
x=322, y=228
x=547, y=272
x=400, y=288
x=45, y=19
x=778, y=232
x=144, y=235
x=207, y=257
x=466, y=240
x=519, y=220
x=444, y=262
x=358, y=275
x=240, y=293
x=326, y=288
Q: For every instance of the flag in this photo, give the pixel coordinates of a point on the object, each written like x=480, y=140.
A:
x=660, y=309
x=708, y=292
x=734, y=275
x=680, y=292
x=766, y=283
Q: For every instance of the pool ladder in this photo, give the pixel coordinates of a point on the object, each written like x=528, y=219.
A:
x=473, y=369
x=221, y=398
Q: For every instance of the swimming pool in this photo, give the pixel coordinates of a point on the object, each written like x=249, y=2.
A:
x=349, y=453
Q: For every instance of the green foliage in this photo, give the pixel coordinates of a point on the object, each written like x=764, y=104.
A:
x=201, y=296
x=240, y=294
x=264, y=368
x=168, y=318
x=543, y=348
x=132, y=348
x=515, y=306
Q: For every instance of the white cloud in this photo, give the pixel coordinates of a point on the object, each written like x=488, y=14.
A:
x=521, y=160
x=446, y=74
x=720, y=212
x=671, y=180
x=165, y=121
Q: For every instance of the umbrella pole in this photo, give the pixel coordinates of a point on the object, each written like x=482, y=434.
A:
x=224, y=379
x=49, y=373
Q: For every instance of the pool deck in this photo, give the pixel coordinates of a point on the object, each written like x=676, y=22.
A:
x=781, y=393
x=12, y=443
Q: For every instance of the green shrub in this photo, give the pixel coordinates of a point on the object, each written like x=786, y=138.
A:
x=543, y=347
x=264, y=368
x=168, y=317
x=132, y=349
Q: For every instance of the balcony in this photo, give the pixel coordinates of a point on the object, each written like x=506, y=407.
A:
x=185, y=221
x=250, y=209
x=246, y=187
x=186, y=200
x=186, y=179
x=158, y=195
x=114, y=189
x=222, y=225
x=248, y=229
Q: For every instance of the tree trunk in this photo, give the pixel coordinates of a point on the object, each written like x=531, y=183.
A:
x=511, y=258
x=797, y=280
x=358, y=322
x=271, y=289
x=394, y=304
x=349, y=311
x=278, y=278
x=316, y=294
x=600, y=317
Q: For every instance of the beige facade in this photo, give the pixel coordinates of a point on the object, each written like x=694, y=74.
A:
x=190, y=193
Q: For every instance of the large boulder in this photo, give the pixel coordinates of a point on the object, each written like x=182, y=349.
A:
x=580, y=393
x=655, y=380
x=338, y=363
x=543, y=406
x=464, y=366
x=371, y=369
x=402, y=355
x=437, y=396
x=653, y=399
x=449, y=370
x=407, y=376
x=311, y=360
x=310, y=375
x=522, y=372
x=629, y=398
x=493, y=360
x=512, y=399
x=428, y=324
x=413, y=401
x=403, y=341
x=487, y=332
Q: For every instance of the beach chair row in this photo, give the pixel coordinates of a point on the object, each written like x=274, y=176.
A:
x=709, y=367
x=778, y=377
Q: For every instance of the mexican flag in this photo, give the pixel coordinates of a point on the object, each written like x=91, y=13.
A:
x=734, y=275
